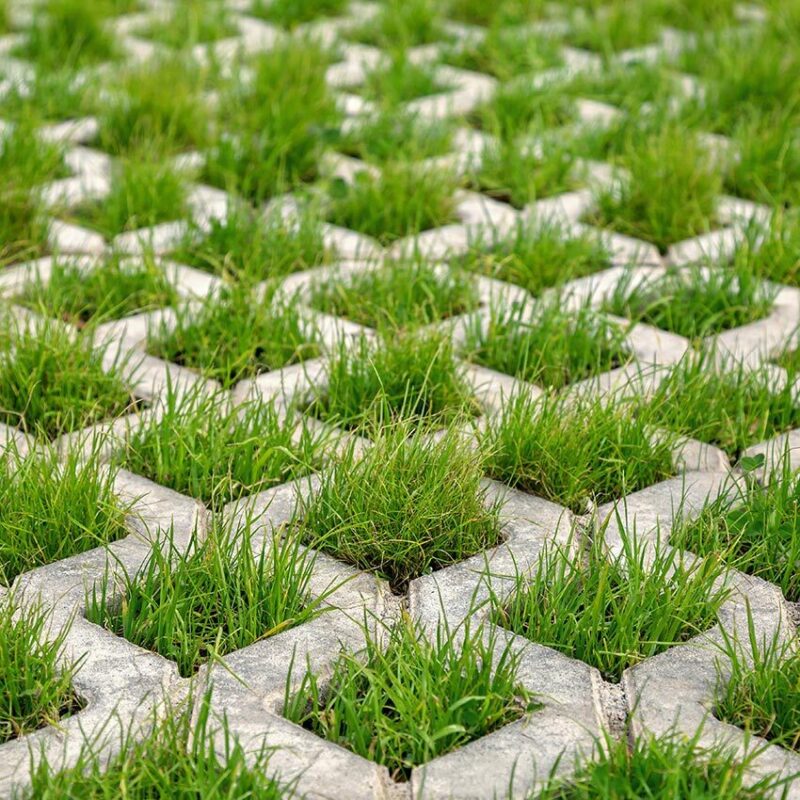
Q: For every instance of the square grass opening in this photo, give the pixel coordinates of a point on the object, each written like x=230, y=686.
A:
x=113, y=288
x=576, y=451
x=729, y=406
x=35, y=687
x=244, y=246
x=401, y=294
x=693, y=302
x=546, y=345
x=53, y=509
x=205, y=447
x=53, y=381
x=412, y=376
x=613, y=611
x=505, y=52
x=534, y=256
x=399, y=81
x=400, y=24
x=518, y=173
x=416, y=699
x=756, y=530
x=405, y=199
x=143, y=193
x=192, y=22
x=289, y=14
x=610, y=29
x=233, y=335
x=405, y=507
x=671, y=192
x=225, y=592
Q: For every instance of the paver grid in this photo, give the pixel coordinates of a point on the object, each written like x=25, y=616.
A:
x=122, y=682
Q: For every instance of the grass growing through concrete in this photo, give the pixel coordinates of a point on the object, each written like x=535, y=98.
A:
x=278, y=124
x=756, y=530
x=519, y=175
x=693, y=302
x=613, y=611
x=54, y=382
x=143, y=193
x=671, y=194
x=291, y=13
x=204, y=447
x=619, y=26
x=731, y=408
x=192, y=22
x=50, y=96
x=35, y=688
x=157, y=104
x=226, y=592
x=416, y=700
x=247, y=247
x=535, y=257
x=575, y=452
x=547, y=345
x=671, y=767
x=505, y=53
x=68, y=32
x=401, y=294
x=233, y=336
x=394, y=135
x=400, y=81
x=404, y=200
x=113, y=288
x=406, y=506
x=400, y=24
x=52, y=510
x=410, y=375
x=762, y=694
x=185, y=756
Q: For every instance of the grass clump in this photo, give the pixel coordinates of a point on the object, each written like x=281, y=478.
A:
x=731, y=408
x=396, y=135
x=505, y=12
x=115, y=287
x=26, y=162
x=411, y=375
x=184, y=757
x=612, y=612
x=246, y=247
x=158, y=104
x=68, y=32
x=401, y=294
x=504, y=52
x=51, y=510
x=35, y=687
x=400, y=81
x=671, y=195
x=519, y=175
x=192, y=22
x=401, y=24
x=546, y=346
x=404, y=200
x=405, y=507
x=693, y=303
x=612, y=28
x=535, y=257
x=233, y=337
x=762, y=694
x=143, y=193
x=50, y=96
x=54, y=382
x=668, y=768
x=291, y=13
x=204, y=447
x=226, y=592
x=757, y=531
x=415, y=700
x=280, y=122
x=575, y=452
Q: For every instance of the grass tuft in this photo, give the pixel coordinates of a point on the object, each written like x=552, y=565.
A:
x=612, y=612
x=228, y=591
x=291, y=13
x=575, y=452
x=415, y=700
x=405, y=507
